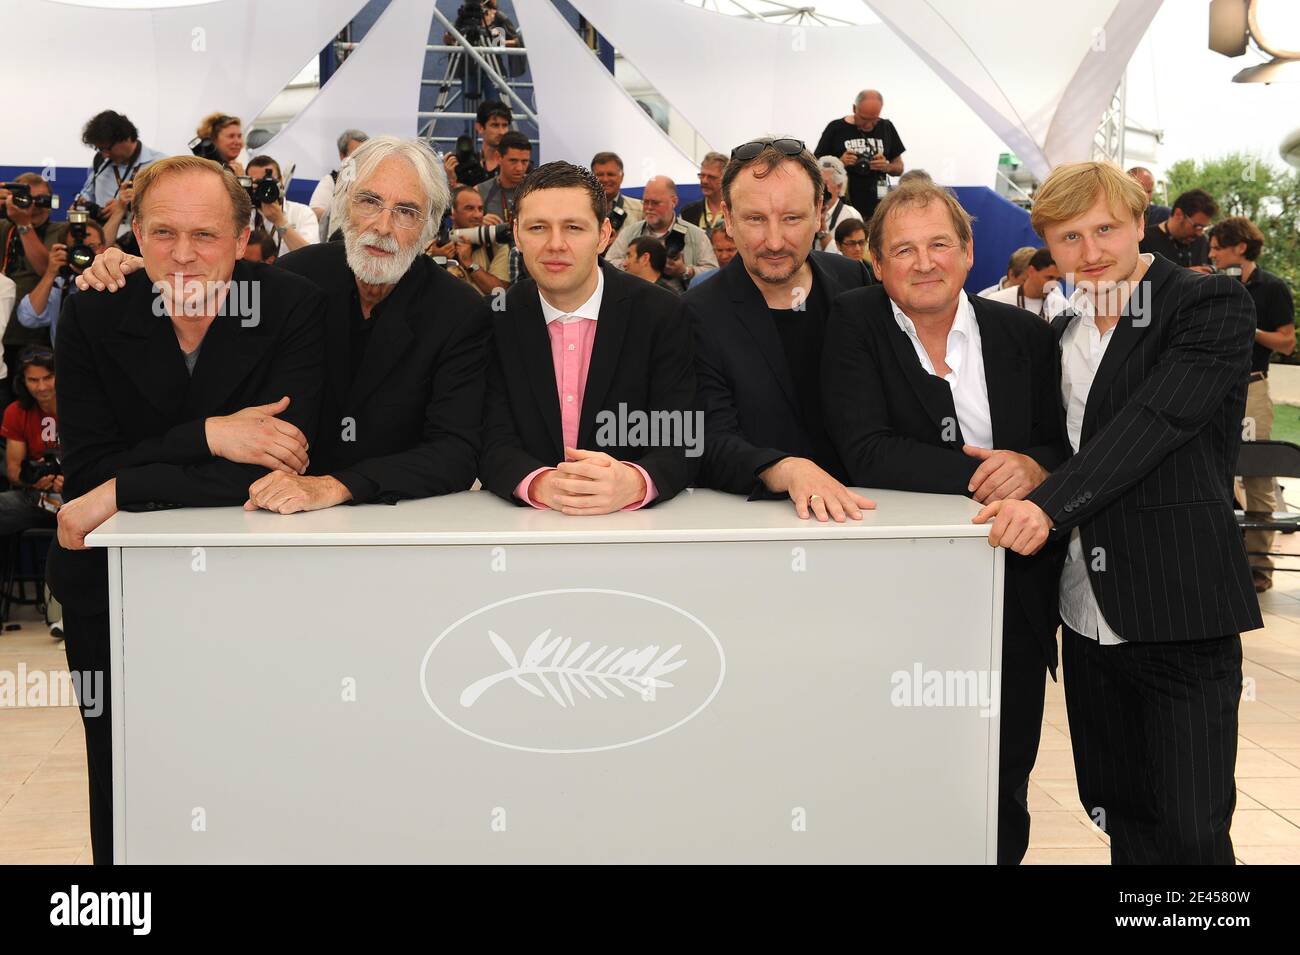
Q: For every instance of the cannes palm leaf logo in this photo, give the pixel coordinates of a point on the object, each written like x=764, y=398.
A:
x=554, y=661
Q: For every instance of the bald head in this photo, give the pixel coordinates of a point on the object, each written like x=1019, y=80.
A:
x=866, y=109
x=659, y=202
x=871, y=95
x=1142, y=176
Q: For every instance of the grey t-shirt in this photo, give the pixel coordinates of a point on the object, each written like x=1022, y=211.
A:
x=191, y=359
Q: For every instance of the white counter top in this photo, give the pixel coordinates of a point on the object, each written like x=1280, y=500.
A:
x=478, y=517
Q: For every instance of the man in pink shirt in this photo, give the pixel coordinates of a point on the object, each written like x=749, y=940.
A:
x=591, y=389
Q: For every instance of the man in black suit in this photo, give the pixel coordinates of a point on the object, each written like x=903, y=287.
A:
x=405, y=346
x=758, y=337
x=590, y=389
x=927, y=389
x=1156, y=588
x=179, y=397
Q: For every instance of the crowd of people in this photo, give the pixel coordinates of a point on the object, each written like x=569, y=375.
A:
x=427, y=321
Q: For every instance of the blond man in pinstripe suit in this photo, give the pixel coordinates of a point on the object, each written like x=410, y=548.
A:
x=1156, y=588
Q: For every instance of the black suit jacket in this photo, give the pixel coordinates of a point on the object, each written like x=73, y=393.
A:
x=410, y=425
x=129, y=410
x=752, y=416
x=1151, y=484
x=895, y=423
x=641, y=361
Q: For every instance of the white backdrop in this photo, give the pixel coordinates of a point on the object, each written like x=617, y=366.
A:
x=165, y=69
x=377, y=90
x=734, y=79
x=582, y=109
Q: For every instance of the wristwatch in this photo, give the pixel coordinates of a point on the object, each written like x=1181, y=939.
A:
x=22, y=229
x=473, y=267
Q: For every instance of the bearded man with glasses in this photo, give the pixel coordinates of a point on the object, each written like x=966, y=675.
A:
x=405, y=344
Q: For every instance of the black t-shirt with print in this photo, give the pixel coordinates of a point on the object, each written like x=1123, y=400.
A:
x=883, y=139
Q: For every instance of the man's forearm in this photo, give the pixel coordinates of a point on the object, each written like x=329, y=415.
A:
x=294, y=239
x=39, y=297
x=1282, y=340
x=485, y=281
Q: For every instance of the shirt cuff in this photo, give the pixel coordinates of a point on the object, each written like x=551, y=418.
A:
x=521, y=490
x=651, y=492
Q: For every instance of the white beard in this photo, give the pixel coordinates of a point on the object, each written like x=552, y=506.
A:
x=373, y=271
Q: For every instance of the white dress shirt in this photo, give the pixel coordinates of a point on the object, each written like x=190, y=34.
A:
x=588, y=309
x=1048, y=307
x=1082, y=349
x=964, y=357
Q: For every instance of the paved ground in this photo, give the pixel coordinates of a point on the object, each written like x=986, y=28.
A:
x=1284, y=384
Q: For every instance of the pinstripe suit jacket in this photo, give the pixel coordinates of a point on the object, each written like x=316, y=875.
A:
x=1151, y=484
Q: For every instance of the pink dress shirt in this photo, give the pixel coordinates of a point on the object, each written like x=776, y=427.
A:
x=573, y=335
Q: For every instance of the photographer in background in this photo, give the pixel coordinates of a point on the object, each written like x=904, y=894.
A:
x=499, y=193
x=39, y=308
x=119, y=155
x=31, y=433
x=835, y=209
x=323, y=194
x=1181, y=238
x=870, y=149
x=26, y=237
x=608, y=168
x=291, y=224
x=646, y=259
x=221, y=138
x=689, y=250
x=1235, y=244
x=486, y=266
x=466, y=167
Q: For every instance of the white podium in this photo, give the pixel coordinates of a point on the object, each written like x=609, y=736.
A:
x=459, y=680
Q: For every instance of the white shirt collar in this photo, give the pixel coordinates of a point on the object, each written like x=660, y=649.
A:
x=588, y=309
x=1082, y=303
x=963, y=321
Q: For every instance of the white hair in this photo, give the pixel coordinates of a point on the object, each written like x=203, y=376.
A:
x=362, y=164
x=839, y=175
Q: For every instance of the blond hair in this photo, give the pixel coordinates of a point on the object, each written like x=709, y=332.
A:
x=1071, y=189
x=147, y=177
x=916, y=192
x=212, y=124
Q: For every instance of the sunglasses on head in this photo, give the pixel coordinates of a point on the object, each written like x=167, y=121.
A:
x=786, y=147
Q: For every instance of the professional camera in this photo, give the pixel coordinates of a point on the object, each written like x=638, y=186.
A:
x=675, y=243
x=469, y=21
x=483, y=235
x=617, y=216
x=22, y=197
x=29, y=472
x=469, y=171
x=80, y=255
x=262, y=190
x=205, y=148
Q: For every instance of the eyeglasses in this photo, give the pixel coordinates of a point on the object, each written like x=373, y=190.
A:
x=786, y=147
x=369, y=207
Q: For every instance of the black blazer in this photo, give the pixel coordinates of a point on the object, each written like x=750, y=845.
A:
x=752, y=416
x=889, y=418
x=641, y=360
x=1151, y=485
x=411, y=424
x=128, y=409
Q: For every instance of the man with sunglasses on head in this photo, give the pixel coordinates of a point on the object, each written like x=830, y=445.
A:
x=405, y=345
x=758, y=332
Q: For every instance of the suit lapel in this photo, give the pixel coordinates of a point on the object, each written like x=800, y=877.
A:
x=1125, y=337
x=933, y=392
x=146, y=340
x=529, y=336
x=751, y=311
x=390, y=337
x=1006, y=374
x=611, y=329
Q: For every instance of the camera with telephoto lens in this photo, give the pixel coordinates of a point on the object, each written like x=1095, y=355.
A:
x=80, y=255
x=263, y=190
x=617, y=216
x=21, y=195
x=469, y=170
x=29, y=472
x=484, y=235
